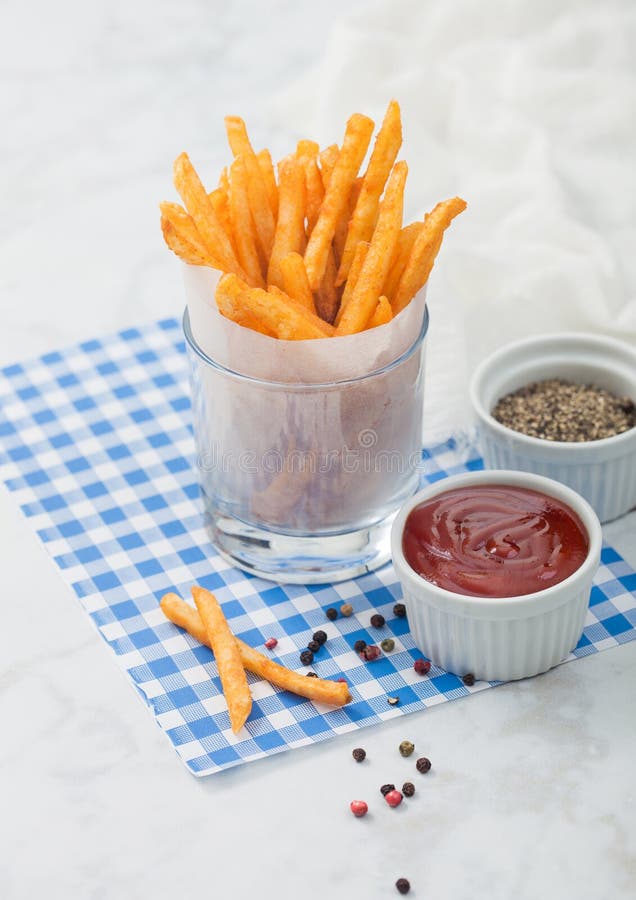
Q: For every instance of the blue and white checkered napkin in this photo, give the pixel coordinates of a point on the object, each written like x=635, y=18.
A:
x=96, y=445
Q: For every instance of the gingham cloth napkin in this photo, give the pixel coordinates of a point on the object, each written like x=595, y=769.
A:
x=96, y=446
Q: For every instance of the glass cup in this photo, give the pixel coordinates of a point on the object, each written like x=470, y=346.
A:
x=301, y=482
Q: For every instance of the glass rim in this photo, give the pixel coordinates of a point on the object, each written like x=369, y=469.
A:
x=303, y=385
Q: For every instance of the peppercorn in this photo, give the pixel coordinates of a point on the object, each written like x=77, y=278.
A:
x=359, y=808
x=384, y=790
x=422, y=666
x=377, y=620
x=320, y=637
x=270, y=643
x=399, y=610
x=423, y=765
x=346, y=609
x=306, y=657
x=393, y=798
x=331, y=613
x=469, y=679
x=393, y=701
x=370, y=653
x=314, y=646
x=406, y=748
x=403, y=886
x=388, y=644
x=408, y=788
x=311, y=675
x=359, y=646
x=359, y=754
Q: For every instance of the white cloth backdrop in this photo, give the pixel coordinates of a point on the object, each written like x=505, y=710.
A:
x=528, y=111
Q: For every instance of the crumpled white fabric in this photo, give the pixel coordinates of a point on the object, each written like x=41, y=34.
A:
x=528, y=111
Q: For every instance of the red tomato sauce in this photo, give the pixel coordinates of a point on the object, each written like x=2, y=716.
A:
x=494, y=541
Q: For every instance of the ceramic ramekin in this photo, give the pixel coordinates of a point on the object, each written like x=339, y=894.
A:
x=495, y=638
x=604, y=472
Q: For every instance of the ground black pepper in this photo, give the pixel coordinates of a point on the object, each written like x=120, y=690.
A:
x=559, y=410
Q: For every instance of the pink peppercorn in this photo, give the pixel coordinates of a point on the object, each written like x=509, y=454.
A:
x=270, y=643
x=359, y=808
x=370, y=653
x=422, y=666
x=393, y=798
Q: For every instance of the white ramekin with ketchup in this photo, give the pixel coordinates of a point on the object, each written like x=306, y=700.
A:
x=496, y=569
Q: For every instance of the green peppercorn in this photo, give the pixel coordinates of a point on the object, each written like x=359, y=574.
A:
x=406, y=748
x=388, y=644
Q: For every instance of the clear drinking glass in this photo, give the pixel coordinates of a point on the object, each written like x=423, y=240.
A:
x=301, y=482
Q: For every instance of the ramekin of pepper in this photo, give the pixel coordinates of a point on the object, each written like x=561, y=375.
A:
x=563, y=406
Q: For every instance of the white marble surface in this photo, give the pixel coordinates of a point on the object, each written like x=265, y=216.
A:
x=533, y=787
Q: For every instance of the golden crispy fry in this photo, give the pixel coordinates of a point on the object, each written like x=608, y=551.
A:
x=342, y=228
x=307, y=149
x=327, y=296
x=373, y=274
x=290, y=228
x=354, y=273
x=295, y=281
x=328, y=158
x=227, y=655
x=220, y=203
x=264, y=158
x=275, y=311
x=354, y=148
x=314, y=191
x=425, y=249
x=403, y=247
x=180, y=246
x=259, y=202
x=383, y=313
x=333, y=693
x=387, y=144
x=183, y=225
x=224, y=181
x=198, y=204
x=228, y=291
x=242, y=226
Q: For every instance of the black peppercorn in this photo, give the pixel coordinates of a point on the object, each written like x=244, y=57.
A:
x=469, y=679
x=423, y=765
x=403, y=886
x=384, y=790
x=314, y=646
x=359, y=754
x=306, y=657
x=311, y=675
x=331, y=613
x=399, y=610
x=320, y=637
x=377, y=620
x=359, y=646
x=408, y=788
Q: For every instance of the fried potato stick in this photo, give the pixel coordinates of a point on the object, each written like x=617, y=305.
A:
x=228, y=657
x=242, y=226
x=227, y=295
x=403, y=247
x=425, y=249
x=290, y=228
x=354, y=147
x=200, y=207
x=354, y=273
x=382, y=314
x=374, y=271
x=333, y=693
x=264, y=159
x=259, y=201
x=183, y=225
x=295, y=281
x=181, y=247
x=385, y=151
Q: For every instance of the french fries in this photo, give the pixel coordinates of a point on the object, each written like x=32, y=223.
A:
x=333, y=693
x=324, y=245
x=228, y=657
x=376, y=265
x=354, y=147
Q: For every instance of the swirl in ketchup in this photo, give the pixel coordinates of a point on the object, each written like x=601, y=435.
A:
x=494, y=541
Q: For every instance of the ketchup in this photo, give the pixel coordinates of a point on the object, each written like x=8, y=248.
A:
x=494, y=541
